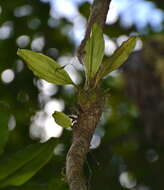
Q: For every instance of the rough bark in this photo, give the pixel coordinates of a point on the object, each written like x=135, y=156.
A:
x=90, y=110
x=89, y=116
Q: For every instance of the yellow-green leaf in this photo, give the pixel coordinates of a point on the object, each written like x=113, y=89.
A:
x=44, y=67
x=19, y=167
x=62, y=119
x=94, y=52
x=117, y=59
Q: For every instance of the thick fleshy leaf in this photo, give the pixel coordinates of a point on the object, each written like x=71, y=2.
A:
x=62, y=119
x=21, y=166
x=117, y=59
x=4, y=119
x=94, y=50
x=44, y=67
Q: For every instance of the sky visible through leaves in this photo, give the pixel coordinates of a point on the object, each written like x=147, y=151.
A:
x=69, y=9
x=42, y=124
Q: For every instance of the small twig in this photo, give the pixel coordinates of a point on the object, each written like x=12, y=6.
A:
x=98, y=15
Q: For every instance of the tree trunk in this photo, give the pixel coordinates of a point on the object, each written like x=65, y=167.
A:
x=144, y=75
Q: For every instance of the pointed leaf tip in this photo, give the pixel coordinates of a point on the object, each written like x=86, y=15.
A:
x=118, y=58
x=44, y=67
x=94, y=52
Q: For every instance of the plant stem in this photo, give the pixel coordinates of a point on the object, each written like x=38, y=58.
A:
x=90, y=110
x=82, y=134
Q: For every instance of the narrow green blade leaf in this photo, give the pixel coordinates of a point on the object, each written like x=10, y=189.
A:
x=4, y=132
x=44, y=67
x=94, y=52
x=23, y=174
x=24, y=164
x=118, y=58
x=62, y=119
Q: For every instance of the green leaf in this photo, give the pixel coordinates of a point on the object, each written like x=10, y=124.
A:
x=94, y=50
x=31, y=186
x=21, y=166
x=44, y=67
x=4, y=132
x=62, y=119
x=117, y=59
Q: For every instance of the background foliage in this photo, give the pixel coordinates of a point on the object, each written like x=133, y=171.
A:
x=122, y=155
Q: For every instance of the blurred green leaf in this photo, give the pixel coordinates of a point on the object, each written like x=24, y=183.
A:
x=4, y=118
x=84, y=9
x=45, y=67
x=29, y=186
x=117, y=59
x=94, y=52
x=21, y=166
x=62, y=119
